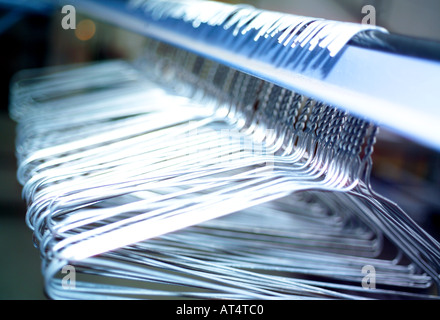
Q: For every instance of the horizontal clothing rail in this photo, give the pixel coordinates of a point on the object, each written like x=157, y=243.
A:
x=393, y=84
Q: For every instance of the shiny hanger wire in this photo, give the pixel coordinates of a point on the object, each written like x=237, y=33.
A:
x=435, y=249
x=181, y=247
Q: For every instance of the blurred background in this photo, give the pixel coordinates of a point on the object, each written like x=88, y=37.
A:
x=32, y=37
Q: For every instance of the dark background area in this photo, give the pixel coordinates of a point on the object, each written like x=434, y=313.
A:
x=28, y=40
x=24, y=45
x=404, y=171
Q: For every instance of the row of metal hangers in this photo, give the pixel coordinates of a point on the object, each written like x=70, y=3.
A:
x=180, y=177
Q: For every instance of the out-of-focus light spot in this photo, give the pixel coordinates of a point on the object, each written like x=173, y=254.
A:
x=85, y=30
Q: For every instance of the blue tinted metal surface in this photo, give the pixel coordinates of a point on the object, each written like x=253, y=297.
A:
x=397, y=92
